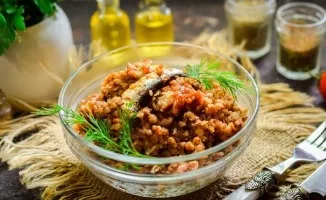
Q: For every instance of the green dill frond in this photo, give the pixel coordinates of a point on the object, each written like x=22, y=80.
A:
x=129, y=166
x=193, y=71
x=127, y=117
x=212, y=65
x=52, y=110
x=98, y=130
x=206, y=73
x=71, y=117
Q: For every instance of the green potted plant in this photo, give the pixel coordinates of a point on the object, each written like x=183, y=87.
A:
x=35, y=40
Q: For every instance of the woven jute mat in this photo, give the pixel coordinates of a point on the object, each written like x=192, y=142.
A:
x=286, y=117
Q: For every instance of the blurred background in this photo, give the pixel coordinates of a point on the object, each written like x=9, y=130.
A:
x=191, y=17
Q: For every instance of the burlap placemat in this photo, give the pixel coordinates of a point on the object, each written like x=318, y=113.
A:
x=286, y=117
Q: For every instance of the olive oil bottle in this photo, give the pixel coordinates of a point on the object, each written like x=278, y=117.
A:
x=154, y=22
x=110, y=26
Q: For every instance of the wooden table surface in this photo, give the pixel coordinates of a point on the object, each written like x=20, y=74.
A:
x=194, y=11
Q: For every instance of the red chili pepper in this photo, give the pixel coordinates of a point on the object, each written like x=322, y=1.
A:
x=322, y=84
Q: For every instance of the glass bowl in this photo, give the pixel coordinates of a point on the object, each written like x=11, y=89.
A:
x=212, y=162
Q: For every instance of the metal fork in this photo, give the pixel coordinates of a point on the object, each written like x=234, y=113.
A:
x=312, y=149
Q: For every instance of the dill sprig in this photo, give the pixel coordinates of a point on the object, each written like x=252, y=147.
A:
x=127, y=117
x=98, y=130
x=206, y=74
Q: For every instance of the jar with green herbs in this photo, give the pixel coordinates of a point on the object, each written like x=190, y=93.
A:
x=301, y=29
x=250, y=25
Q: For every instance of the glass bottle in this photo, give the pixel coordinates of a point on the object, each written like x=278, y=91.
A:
x=110, y=26
x=301, y=30
x=250, y=24
x=5, y=108
x=154, y=22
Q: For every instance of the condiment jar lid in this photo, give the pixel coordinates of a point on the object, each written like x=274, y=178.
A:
x=239, y=6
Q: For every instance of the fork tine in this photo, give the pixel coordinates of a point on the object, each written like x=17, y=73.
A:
x=323, y=146
x=320, y=139
x=315, y=135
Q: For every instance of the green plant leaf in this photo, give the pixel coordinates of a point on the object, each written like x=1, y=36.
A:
x=45, y=6
x=19, y=10
x=11, y=20
x=19, y=22
x=2, y=21
x=10, y=8
x=7, y=37
x=15, y=15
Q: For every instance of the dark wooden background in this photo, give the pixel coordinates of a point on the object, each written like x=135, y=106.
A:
x=194, y=11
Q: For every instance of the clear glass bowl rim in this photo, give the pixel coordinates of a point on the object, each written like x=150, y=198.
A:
x=306, y=4
x=150, y=160
x=266, y=5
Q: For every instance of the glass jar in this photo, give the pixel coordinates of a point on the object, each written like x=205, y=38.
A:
x=250, y=25
x=154, y=22
x=301, y=29
x=110, y=27
x=5, y=108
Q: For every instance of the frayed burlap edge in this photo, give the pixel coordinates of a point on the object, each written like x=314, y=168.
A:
x=46, y=162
